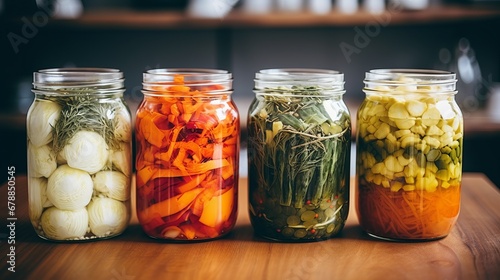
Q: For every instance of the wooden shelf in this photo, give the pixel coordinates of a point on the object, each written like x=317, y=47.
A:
x=238, y=19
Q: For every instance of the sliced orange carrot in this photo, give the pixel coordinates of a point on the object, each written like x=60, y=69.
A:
x=144, y=175
x=191, y=184
x=151, y=132
x=218, y=209
x=170, y=206
x=175, y=134
x=189, y=231
x=186, y=148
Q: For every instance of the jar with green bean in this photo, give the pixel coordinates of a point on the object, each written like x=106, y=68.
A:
x=299, y=135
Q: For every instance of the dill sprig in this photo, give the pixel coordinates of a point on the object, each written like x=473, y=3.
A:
x=307, y=159
x=84, y=112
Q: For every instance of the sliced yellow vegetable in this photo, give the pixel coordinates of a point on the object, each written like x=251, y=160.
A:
x=171, y=206
x=218, y=209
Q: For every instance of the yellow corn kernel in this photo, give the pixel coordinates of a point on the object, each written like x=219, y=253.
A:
x=410, y=180
x=431, y=168
x=434, y=130
x=456, y=124
x=409, y=140
x=431, y=184
x=433, y=142
x=445, y=141
x=396, y=186
x=373, y=120
x=398, y=153
x=457, y=136
x=369, y=138
x=416, y=108
x=391, y=138
x=443, y=174
x=405, y=123
x=369, y=176
x=446, y=128
x=386, y=184
x=420, y=184
x=397, y=111
x=431, y=116
x=399, y=174
x=408, y=188
x=418, y=129
x=382, y=131
x=445, y=184
x=404, y=161
x=402, y=133
x=411, y=169
x=371, y=129
x=392, y=164
x=377, y=110
x=377, y=179
x=378, y=168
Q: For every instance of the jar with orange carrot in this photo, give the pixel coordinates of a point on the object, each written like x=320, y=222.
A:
x=409, y=154
x=187, y=136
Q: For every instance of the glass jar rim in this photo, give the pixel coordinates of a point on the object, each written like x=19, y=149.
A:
x=302, y=74
x=58, y=75
x=208, y=81
x=430, y=76
x=165, y=75
x=329, y=81
x=107, y=79
x=414, y=80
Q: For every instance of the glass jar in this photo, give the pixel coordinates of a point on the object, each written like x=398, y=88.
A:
x=299, y=135
x=79, y=132
x=409, y=154
x=187, y=135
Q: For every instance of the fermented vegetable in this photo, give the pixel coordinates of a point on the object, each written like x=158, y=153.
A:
x=37, y=198
x=87, y=151
x=187, y=160
x=43, y=116
x=299, y=143
x=69, y=188
x=60, y=224
x=121, y=158
x=409, y=158
x=107, y=216
x=41, y=161
x=113, y=184
x=86, y=157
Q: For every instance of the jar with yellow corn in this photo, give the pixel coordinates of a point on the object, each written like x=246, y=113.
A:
x=409, y=154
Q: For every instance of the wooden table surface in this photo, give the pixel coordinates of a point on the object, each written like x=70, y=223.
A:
x=471, y=251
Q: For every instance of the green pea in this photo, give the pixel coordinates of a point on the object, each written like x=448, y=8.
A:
x=300, y=233
x=310, y=223
x=308, y=215
x=293, y=220
x=288, y=232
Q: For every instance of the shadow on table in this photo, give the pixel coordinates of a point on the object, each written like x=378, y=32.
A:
x=246, y=233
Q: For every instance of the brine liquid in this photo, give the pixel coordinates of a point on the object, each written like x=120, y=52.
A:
x=417, y=214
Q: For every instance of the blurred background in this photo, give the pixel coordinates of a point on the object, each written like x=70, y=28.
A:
x=248, y=35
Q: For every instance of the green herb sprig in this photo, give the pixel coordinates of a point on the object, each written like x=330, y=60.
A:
x=85, y=113
x=308, y=156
